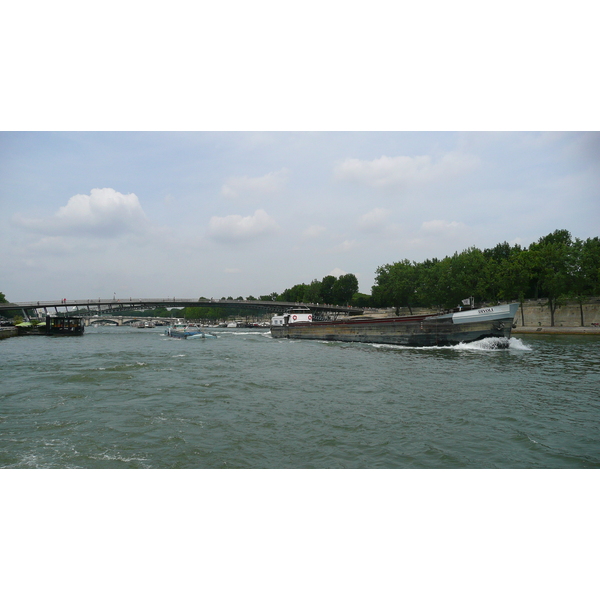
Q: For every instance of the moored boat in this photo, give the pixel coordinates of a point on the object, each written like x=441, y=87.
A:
x=447, y=329
x=64, y=325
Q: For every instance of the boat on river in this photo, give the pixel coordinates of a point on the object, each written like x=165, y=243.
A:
x=64, y=325
x=185, y=333
x=448, y=329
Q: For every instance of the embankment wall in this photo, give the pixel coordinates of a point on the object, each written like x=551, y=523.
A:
x=536, y=313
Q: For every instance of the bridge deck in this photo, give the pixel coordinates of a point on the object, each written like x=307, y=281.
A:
x=104, y=305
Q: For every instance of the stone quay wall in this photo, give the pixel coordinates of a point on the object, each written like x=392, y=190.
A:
x=537, y=314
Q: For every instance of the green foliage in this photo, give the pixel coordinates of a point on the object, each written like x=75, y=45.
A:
x=330, y=290
x=3, y=299
x=327, y=284
x=197, y=313
x=361, y=300
x=554, y=267
x=395, y=285
x=344, y=288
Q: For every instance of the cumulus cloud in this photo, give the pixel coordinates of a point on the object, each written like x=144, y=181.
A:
x=235, y=228
x=401, y=170
x=105, y=213
x=337, y=272
x=269, y=184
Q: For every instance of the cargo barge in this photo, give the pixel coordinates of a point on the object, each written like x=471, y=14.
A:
x=447, y=329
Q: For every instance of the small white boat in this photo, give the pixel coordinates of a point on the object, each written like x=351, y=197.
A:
x=188, y=333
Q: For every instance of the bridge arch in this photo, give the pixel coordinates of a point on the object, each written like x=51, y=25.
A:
x=103, y=320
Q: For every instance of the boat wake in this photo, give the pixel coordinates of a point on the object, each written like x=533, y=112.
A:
x=491, y=344
x=263, y=332
x=485, y=345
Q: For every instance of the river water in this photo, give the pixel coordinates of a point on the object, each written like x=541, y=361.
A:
x=119, y=397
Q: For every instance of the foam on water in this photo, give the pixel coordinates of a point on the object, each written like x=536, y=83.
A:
x=518, y=344
x=493, y=344
x=485, y=345
x=248, y=332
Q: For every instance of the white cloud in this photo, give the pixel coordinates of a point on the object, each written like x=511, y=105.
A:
x=337, y=272
x=105, y=213
x=235, y=228
x=400, y=170
x=314, y=231
x=271, y=183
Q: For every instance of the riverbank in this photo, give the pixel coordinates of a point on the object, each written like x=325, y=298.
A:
x=6, y=332
x=558, y=330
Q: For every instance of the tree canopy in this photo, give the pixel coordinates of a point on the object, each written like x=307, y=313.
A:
x=555, y=267
x=330, y=290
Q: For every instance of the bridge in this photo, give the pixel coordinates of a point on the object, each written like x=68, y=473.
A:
x=106, y=319
x=93, y=306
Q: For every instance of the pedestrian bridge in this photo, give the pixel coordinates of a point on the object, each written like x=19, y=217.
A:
x=93, y=306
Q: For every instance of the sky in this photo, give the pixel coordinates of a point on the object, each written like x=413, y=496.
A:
x=206, y=151
x=213, y=214
x=235, y=149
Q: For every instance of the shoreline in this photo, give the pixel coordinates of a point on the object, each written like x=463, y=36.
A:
x=558, y=330
x=7, y=332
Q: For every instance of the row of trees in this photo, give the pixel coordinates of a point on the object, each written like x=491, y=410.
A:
x=555, y=267
x=330, y=290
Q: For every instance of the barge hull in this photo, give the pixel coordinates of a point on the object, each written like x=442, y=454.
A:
x=443, y=330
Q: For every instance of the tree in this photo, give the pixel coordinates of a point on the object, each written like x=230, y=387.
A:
x=491, y=286
x=465, y=276
x=551, y=257
x=427, y=276
x=395, y=285
x=327, y=283
x=514, y=277
x=344, y=288
x=361, y=300
x=585, y=274
x=294, y=294
x=312, y=292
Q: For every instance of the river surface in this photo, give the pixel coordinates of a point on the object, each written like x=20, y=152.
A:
x=120, y=397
